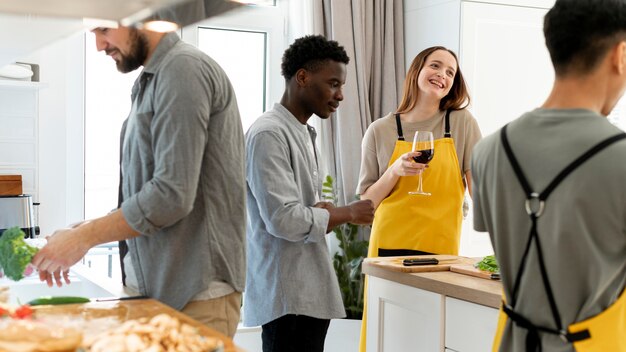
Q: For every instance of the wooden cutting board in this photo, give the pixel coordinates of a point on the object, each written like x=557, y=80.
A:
x=469, y=269
x=395, y=263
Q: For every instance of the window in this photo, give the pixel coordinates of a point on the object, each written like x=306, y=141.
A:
x=107, y=103
x=248, y=44
x=244, y=64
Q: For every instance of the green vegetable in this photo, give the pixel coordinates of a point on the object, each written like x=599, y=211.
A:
x=49, y=300
x=15, y=253
x=488, y=263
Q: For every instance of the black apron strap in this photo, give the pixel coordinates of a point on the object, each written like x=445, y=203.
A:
x=532, y=342
x=581, y=159
x=399, y=128
x=447, y=133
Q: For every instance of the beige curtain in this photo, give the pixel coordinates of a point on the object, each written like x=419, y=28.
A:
x=371, y=31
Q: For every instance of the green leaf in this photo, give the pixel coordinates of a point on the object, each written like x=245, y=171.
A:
x=488, y=263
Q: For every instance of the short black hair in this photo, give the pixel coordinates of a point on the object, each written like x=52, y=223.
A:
x=580, y=32
x=309, y=52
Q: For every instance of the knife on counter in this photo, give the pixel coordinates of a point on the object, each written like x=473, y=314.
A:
x=112, y=299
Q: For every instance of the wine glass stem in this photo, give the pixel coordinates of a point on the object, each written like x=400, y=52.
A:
x=419, y=185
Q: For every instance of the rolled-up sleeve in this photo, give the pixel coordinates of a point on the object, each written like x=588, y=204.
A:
x=281, y=197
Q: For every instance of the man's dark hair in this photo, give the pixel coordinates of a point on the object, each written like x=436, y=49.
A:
x=580, y=32
x=309, y=52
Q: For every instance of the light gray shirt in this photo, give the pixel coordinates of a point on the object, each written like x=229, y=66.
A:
x=582, y=229
x=289, y=265
x=183, y=176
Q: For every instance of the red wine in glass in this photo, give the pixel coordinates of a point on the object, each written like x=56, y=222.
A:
x=425, y=157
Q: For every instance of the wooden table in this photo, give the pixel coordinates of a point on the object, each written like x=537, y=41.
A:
x=107, y=314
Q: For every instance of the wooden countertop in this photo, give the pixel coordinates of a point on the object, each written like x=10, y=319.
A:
x=465, y=287
x=102, y=315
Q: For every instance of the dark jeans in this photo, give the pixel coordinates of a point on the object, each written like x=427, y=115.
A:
x=295, y=333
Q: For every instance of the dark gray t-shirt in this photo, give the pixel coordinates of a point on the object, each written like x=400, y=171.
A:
x=582, y=230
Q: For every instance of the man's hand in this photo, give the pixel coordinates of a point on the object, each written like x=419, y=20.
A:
x=361, y=212
x=64, y=249
x=56, y=276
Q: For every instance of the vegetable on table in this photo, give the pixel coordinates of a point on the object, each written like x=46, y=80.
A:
x=15, y=253
x=49, y=300
x=489, y=263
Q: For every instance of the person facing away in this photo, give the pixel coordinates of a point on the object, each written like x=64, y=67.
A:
x=434, y=99
x=559, y=236
x=291, y=286
x=183, y=186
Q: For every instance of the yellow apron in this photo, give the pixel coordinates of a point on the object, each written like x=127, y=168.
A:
x=603, y=332
x=607, y=330
x=430, y=224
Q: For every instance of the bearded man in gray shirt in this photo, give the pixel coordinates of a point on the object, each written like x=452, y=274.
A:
x=291, y=286
x=182, y=212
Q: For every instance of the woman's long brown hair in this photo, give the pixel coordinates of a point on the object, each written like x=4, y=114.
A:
x=458, y=98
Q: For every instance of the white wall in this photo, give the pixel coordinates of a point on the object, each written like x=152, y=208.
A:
x=60, y=132
x=425, y=26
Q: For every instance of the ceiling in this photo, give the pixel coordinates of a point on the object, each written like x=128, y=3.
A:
x=27, y=25
x=115, y=10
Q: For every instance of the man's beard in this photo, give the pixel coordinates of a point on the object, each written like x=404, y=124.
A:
x=137, y=53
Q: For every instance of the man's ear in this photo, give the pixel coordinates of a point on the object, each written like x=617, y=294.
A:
x=619, y=57
x=302, y=77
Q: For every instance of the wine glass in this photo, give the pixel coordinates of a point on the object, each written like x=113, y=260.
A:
x=424, y=143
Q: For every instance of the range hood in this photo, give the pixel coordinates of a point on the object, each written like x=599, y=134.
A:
x=27, y=25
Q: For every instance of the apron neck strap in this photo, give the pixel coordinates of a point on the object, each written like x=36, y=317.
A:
x=447, y=133
x=399, y=128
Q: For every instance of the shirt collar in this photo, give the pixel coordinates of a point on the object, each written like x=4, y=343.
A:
x=165, y=44
x=291, y=120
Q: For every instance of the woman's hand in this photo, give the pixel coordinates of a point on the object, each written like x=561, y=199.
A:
x=406, y=166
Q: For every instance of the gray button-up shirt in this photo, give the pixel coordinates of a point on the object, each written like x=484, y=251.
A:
x=289, y=266
x=183, y=176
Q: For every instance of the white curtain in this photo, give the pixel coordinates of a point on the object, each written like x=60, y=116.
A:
x=372, y=33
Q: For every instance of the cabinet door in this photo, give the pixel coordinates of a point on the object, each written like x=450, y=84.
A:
x=403, y=318
x=470, y=327
x=504, y=60
x=19, y=143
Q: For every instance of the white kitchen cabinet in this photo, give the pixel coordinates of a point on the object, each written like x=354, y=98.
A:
x=502, y=56
x=403, y=318
x=19, y=147
x=469, y=327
